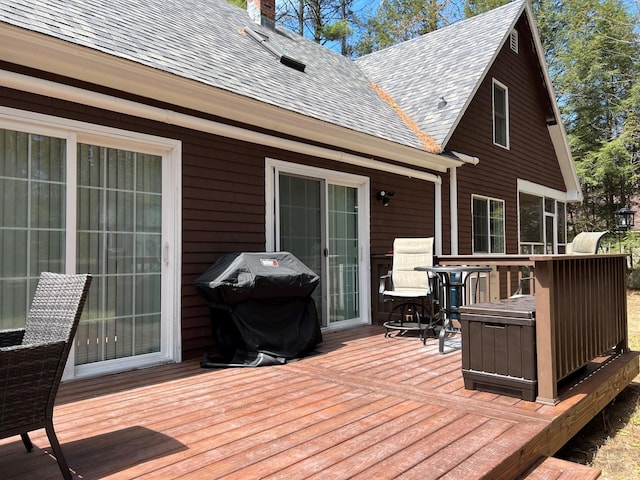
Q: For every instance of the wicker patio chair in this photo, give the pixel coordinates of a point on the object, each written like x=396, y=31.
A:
x=32, y=359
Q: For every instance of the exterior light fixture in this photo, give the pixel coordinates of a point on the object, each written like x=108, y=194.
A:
x=383, y=196
x=625, y=219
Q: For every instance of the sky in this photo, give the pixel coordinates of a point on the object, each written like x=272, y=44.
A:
x=366, y=7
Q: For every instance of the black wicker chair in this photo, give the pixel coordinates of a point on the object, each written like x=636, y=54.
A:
x=32, y=359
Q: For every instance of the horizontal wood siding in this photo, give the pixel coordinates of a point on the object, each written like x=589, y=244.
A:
x=531, y=155
x=223, y=188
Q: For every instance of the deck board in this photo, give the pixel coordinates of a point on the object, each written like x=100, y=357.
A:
x=365, y=406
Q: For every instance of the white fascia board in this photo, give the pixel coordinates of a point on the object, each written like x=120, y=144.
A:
x=526, y=186
x=48, y=54
x=567, y=167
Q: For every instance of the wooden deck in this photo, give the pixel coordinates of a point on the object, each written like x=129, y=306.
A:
x=365, y=407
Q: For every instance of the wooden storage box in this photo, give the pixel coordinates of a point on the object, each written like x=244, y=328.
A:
x=499, y=347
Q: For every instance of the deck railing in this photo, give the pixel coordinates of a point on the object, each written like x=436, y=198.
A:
x=581, y=308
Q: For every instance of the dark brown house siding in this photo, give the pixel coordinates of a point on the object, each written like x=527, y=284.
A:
x=223, y=187
x=531, y=155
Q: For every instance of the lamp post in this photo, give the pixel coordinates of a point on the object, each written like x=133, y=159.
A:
x=624, y=219
x=624, y=222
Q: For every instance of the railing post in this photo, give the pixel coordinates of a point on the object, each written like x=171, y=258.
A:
x=545, y=334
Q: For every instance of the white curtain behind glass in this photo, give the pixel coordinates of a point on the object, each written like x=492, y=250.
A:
x=32, y=217
x=119, y=242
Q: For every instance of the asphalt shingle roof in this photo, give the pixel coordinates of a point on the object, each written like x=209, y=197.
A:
x=206, y=41
x=448, y=64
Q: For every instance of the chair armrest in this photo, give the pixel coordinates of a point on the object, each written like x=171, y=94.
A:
x=11, y=337
x=32, y=374
x=434, y=285
x=383, y=283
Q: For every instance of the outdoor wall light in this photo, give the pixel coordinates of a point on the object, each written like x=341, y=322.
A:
x=383, y=196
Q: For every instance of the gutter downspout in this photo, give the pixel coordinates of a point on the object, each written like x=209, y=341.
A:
x=453, y=196
x=453, y=205
x=438, y=218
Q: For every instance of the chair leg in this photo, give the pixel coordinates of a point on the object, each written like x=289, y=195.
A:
x=57, y=450
x=27, y=441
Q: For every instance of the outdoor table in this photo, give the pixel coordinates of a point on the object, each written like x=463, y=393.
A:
x=454, y=281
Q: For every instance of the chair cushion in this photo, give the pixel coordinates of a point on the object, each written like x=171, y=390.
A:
x=409, y=253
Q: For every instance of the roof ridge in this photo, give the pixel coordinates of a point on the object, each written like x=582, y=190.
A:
x=455, y=25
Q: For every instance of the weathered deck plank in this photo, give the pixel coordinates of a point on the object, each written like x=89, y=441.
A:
x=365, y=407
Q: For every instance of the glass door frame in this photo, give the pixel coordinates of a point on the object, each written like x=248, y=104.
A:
x=273, y=168
x=76, y=132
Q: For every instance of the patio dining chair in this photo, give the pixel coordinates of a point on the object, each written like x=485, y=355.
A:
x=586, y=243
x=33, y=359
x=412, y=292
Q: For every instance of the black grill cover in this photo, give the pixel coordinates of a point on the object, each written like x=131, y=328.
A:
x=261, y=302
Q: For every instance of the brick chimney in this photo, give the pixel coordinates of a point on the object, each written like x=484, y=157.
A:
x=263, y=12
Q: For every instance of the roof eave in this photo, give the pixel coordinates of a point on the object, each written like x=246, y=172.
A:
x=41, y=52
x=557, y=132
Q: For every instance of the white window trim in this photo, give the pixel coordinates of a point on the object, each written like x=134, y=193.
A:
x=535, y=189
x=495, y=83
x=171, y=152
x=489, y=199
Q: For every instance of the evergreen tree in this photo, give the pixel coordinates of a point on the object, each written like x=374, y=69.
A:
x=239, y=3
x=396, y=21
x=595, y=65
x=476, y=7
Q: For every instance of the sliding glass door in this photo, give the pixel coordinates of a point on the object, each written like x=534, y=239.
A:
x=119, y=238
x=73, y=206
x=319, y=220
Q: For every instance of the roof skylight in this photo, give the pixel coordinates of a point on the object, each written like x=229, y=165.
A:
x=270, y=45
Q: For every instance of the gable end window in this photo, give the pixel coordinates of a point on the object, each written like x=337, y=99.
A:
x=500, y=114
x=488, y=225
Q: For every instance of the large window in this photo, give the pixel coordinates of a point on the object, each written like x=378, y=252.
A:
x=543, y=224
x=93, y=203
x=500, y=114
x=488, y=225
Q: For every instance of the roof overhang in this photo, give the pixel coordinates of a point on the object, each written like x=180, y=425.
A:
x=48, y=54
x=556, y=131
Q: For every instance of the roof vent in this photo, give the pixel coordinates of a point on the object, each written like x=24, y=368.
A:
x=513, y=40
x=271, y=46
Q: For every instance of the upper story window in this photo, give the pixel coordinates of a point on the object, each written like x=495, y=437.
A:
x=500, y=114
x=488, y=225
